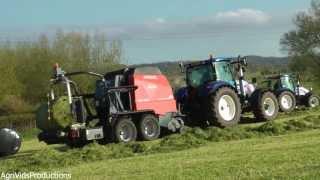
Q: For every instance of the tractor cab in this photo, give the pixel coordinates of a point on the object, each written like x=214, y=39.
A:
x=287, y=82
x=284, y=81
x=204, y=72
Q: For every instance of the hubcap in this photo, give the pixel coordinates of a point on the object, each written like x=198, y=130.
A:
x=125, y=133
x=269, y=106
x=227, y=108
x=286, y=102
x=314, y=102
x=149, y=128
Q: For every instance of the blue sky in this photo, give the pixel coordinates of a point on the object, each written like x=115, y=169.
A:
x=166, y=30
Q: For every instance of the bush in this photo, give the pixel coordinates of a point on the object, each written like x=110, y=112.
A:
x=12, y=104
x=19, y=122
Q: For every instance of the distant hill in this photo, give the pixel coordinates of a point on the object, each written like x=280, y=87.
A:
x=257, y=64
x=268, y=61
x=278, y=62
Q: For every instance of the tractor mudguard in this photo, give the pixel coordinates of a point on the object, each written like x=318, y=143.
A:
x=303, y=99
x=257, y=94
x=279, y=91
x=213, y=87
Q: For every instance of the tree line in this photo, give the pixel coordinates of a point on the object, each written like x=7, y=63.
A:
x=26, y=67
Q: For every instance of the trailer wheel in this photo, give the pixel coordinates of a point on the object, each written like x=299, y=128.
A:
x=313, y=101
x=224, y=108
x=287, y=101
x=125, y=131
x=266, y=106
x=149, y=128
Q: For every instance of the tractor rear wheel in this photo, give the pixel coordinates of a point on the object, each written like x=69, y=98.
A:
x=224, y=108
x=313, y=101
x=266, y=106
x=125, y=131
x=287, y=101
x=149, y=128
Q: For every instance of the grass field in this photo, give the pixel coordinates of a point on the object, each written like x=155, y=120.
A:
x=288, y=156
x=288, y=148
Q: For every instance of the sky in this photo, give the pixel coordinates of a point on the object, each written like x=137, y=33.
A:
x=160, y=30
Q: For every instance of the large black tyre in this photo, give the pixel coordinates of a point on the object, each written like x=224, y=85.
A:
x=265, y=106
x=287, y=101
x=148, y=128
x=223, y=108
x=313, y=101
x=124, y=131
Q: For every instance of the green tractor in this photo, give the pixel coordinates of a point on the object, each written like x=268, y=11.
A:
x=290, y=93
x=217, y=94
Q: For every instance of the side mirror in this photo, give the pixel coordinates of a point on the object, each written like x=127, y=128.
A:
x=181, y=65
x=244, y=61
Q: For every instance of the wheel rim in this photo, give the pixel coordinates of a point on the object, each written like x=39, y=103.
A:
x=125, y=133
x=150, y=128
x=286, y=102
x=269, y=106
x=227, y=108
x=314, y=102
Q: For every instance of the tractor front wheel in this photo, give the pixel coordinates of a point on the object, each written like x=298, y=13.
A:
x=224, y=108
x=266, y=106
x=287, y=101
x=149, y=128
x=125, y=131
x=313, y=101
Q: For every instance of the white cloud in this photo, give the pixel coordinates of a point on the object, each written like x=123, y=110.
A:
x=243, y=16
x=218, y=24
x=160, y=20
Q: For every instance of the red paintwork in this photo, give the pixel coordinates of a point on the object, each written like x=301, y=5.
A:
x=153, y=92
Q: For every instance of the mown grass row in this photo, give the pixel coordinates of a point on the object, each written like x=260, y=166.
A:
x=55, y=158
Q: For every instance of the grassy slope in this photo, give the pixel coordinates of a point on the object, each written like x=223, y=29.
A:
x=294, y=155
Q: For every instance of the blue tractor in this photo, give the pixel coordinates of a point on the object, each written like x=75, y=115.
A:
x=216, y=93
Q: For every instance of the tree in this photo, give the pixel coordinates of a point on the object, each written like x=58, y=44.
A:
x=303, y=43
x=27, y=66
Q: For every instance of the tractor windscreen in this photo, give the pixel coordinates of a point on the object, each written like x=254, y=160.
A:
x=287, y=82
x=223, y=71
x=201, y=74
